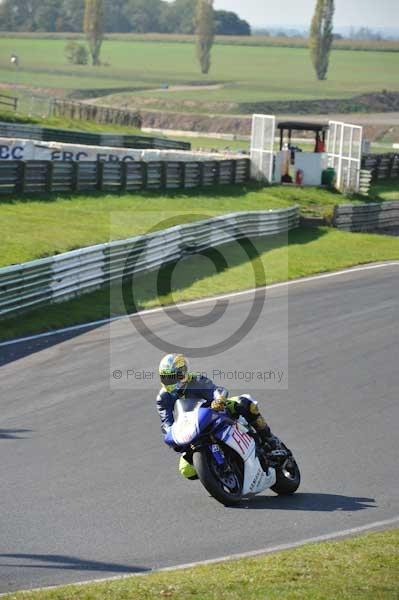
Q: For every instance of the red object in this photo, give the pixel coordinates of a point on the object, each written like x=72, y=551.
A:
x=299, y=177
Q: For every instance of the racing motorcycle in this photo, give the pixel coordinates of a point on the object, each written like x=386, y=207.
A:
x=227, y=455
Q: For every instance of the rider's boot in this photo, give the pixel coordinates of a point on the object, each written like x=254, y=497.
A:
x=270, y=442
x=186, y=467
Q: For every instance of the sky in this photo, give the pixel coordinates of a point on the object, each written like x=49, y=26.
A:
x=357, y=13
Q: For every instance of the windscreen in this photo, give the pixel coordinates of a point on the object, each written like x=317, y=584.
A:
x=185, y=405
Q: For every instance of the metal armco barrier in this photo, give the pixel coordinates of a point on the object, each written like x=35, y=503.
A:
x=26, y=286
x=382, y=166
x=365, y=179
x=366, y=217
x=46, y=134
x=39, y=176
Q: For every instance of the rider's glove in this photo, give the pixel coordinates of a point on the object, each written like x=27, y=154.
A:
x=219, y=404
x=231, y=407
x=219, y=399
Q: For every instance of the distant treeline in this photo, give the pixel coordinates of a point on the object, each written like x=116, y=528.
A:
x=121, y=16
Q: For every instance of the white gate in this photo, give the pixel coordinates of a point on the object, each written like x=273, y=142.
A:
x=262, y=147
x=344, y=148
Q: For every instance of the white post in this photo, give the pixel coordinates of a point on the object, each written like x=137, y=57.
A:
x=341, y=149
x=262, y=146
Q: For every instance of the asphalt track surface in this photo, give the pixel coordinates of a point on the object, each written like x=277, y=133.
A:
x=88, y=489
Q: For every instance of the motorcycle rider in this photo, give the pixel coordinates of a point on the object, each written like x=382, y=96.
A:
x=177, y=382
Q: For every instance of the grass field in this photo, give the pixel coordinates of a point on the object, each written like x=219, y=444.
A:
x=32, y=227
x=303, y=252
x=259, y=74
x=230, y=40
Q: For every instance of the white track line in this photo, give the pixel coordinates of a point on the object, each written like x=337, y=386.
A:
x=205, y=301
x=268, y=550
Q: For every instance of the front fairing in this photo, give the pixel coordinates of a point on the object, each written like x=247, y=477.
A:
x=193, y=419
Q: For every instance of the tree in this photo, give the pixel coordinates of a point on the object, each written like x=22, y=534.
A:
x=205, y=29
x=93, y=26
x=178, y=16
x=229, y=23
x=321, y=37
x=6, y=17
x=18, y=15
x=116, y=19
x=143, y=15
x=182, y=16
x=47, y=14
x=73, y=14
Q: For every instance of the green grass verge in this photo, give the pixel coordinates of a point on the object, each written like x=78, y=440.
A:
x=376, y=148
x=259, y=74
x=35, y=227
x=198, y=143
x=365, y=568
x=386, y=189
x=303, y=252
x=64, y=123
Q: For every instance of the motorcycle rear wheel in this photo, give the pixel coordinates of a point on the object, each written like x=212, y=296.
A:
x=288, y=478
x=229, y=495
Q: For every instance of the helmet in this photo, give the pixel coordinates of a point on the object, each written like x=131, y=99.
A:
x=173, y=371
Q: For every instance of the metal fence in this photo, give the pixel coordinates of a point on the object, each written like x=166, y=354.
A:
x=29, y=177
x=26, y=286
x=83, y=111
x=47, y=134
x=382, y=166
x=9, y=101
x=367, y=217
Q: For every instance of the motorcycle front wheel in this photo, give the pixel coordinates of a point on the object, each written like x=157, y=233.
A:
x=224, y=482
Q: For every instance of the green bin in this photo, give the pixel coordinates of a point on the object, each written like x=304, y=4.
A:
x=328, y=177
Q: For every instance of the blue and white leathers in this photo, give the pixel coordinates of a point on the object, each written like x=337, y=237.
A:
x=194, y=422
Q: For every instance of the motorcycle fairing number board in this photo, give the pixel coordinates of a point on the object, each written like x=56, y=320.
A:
x=244, y=441
x=241, y=441
x=255, y=479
